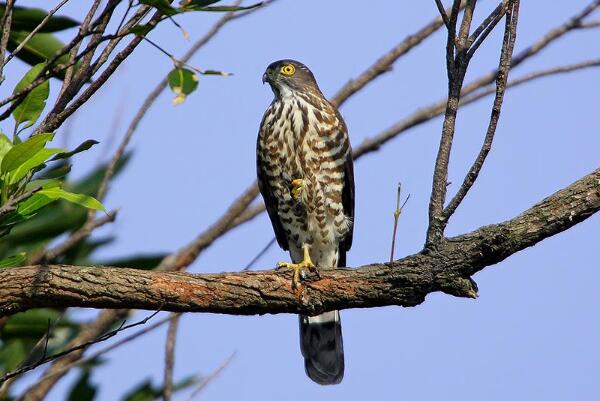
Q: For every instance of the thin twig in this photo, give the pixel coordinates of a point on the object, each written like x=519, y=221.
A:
x=385, y=62
x=512, y=16
x=443, y=13
x=206, y=380
x=149, y=101
x=5, y=387
x=94, y=356
x=170, y=356
x=186, y=256
x=486, y=27
x=54, y=120
x=397, y=214
x=5, y=25
x=82, y=346
x=83, y=31
x=12, y=202
x=92, y=330
x=35, y=30
x=589, y=24
x=74, y=239
x=259, y=254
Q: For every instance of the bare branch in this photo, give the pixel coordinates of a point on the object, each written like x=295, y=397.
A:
x=184, y=257
x=443, y=13
x=5, y=25
x=170, y=356
x=510, y=33
x=456, y=66
x=385, y=62
x=465, y=26
x=153, y=95
x=590, y=24
x=94, y=356
x=54, y=120
x=433, y=110
x=74, y=239
x=486, y=27
x=405, y=282
x=83, y=31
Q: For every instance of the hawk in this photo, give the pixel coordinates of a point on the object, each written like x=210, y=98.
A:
x=305, y=175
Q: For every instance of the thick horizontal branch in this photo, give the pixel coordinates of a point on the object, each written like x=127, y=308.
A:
x=405, y=282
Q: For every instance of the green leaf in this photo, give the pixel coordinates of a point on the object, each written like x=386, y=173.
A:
x=11, y=354
x=22, y=152
x=42, y=183
x=161, y=5
x=79, y=199
x=182, y=82
x=58, y=170
x=13, y=260
x=35, y=161
x=81, y=148
x=30, y=109
x=34, y=203
x=142, y=392
x=26, y=19
x=5, y=145
x=145, y=391
x=83, y=390
x=142, y=30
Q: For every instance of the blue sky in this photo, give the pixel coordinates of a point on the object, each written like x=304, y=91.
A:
x=532, y=334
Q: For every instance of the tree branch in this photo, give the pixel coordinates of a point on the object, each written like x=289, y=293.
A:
x=508, y=44
x=405, y=282
x=5, y=24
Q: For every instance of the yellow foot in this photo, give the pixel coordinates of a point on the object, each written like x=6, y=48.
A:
x=298, y=268
x=297, y=185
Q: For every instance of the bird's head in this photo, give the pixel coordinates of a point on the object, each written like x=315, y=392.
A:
x=288, y=76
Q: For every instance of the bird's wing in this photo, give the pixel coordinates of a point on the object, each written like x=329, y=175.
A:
x=348, y=199
x=348, y=190
x=271, y=204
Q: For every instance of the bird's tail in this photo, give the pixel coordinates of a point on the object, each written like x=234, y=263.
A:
x=322, y=347
x=322, y=344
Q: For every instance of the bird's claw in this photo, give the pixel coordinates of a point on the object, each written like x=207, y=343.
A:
x=299, y=271
x=297, y=186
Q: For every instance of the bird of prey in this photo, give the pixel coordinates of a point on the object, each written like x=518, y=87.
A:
x=305, y=175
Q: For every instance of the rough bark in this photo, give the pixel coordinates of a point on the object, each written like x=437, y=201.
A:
x=405, y=282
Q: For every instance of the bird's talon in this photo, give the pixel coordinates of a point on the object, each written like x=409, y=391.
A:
x=299, y=270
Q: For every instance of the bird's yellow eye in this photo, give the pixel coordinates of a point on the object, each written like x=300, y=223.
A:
x=288, y=70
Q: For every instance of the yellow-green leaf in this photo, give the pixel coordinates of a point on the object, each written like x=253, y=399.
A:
x=79, y=199
x=22, y=152
x=34, y=161
x=30, y=108
x=13, y=260
x=182, y=82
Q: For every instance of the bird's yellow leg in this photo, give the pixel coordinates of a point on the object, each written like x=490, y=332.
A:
x=305, y=264
x=297, y=185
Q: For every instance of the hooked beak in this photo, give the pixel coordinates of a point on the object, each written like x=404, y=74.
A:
x=267, y=76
